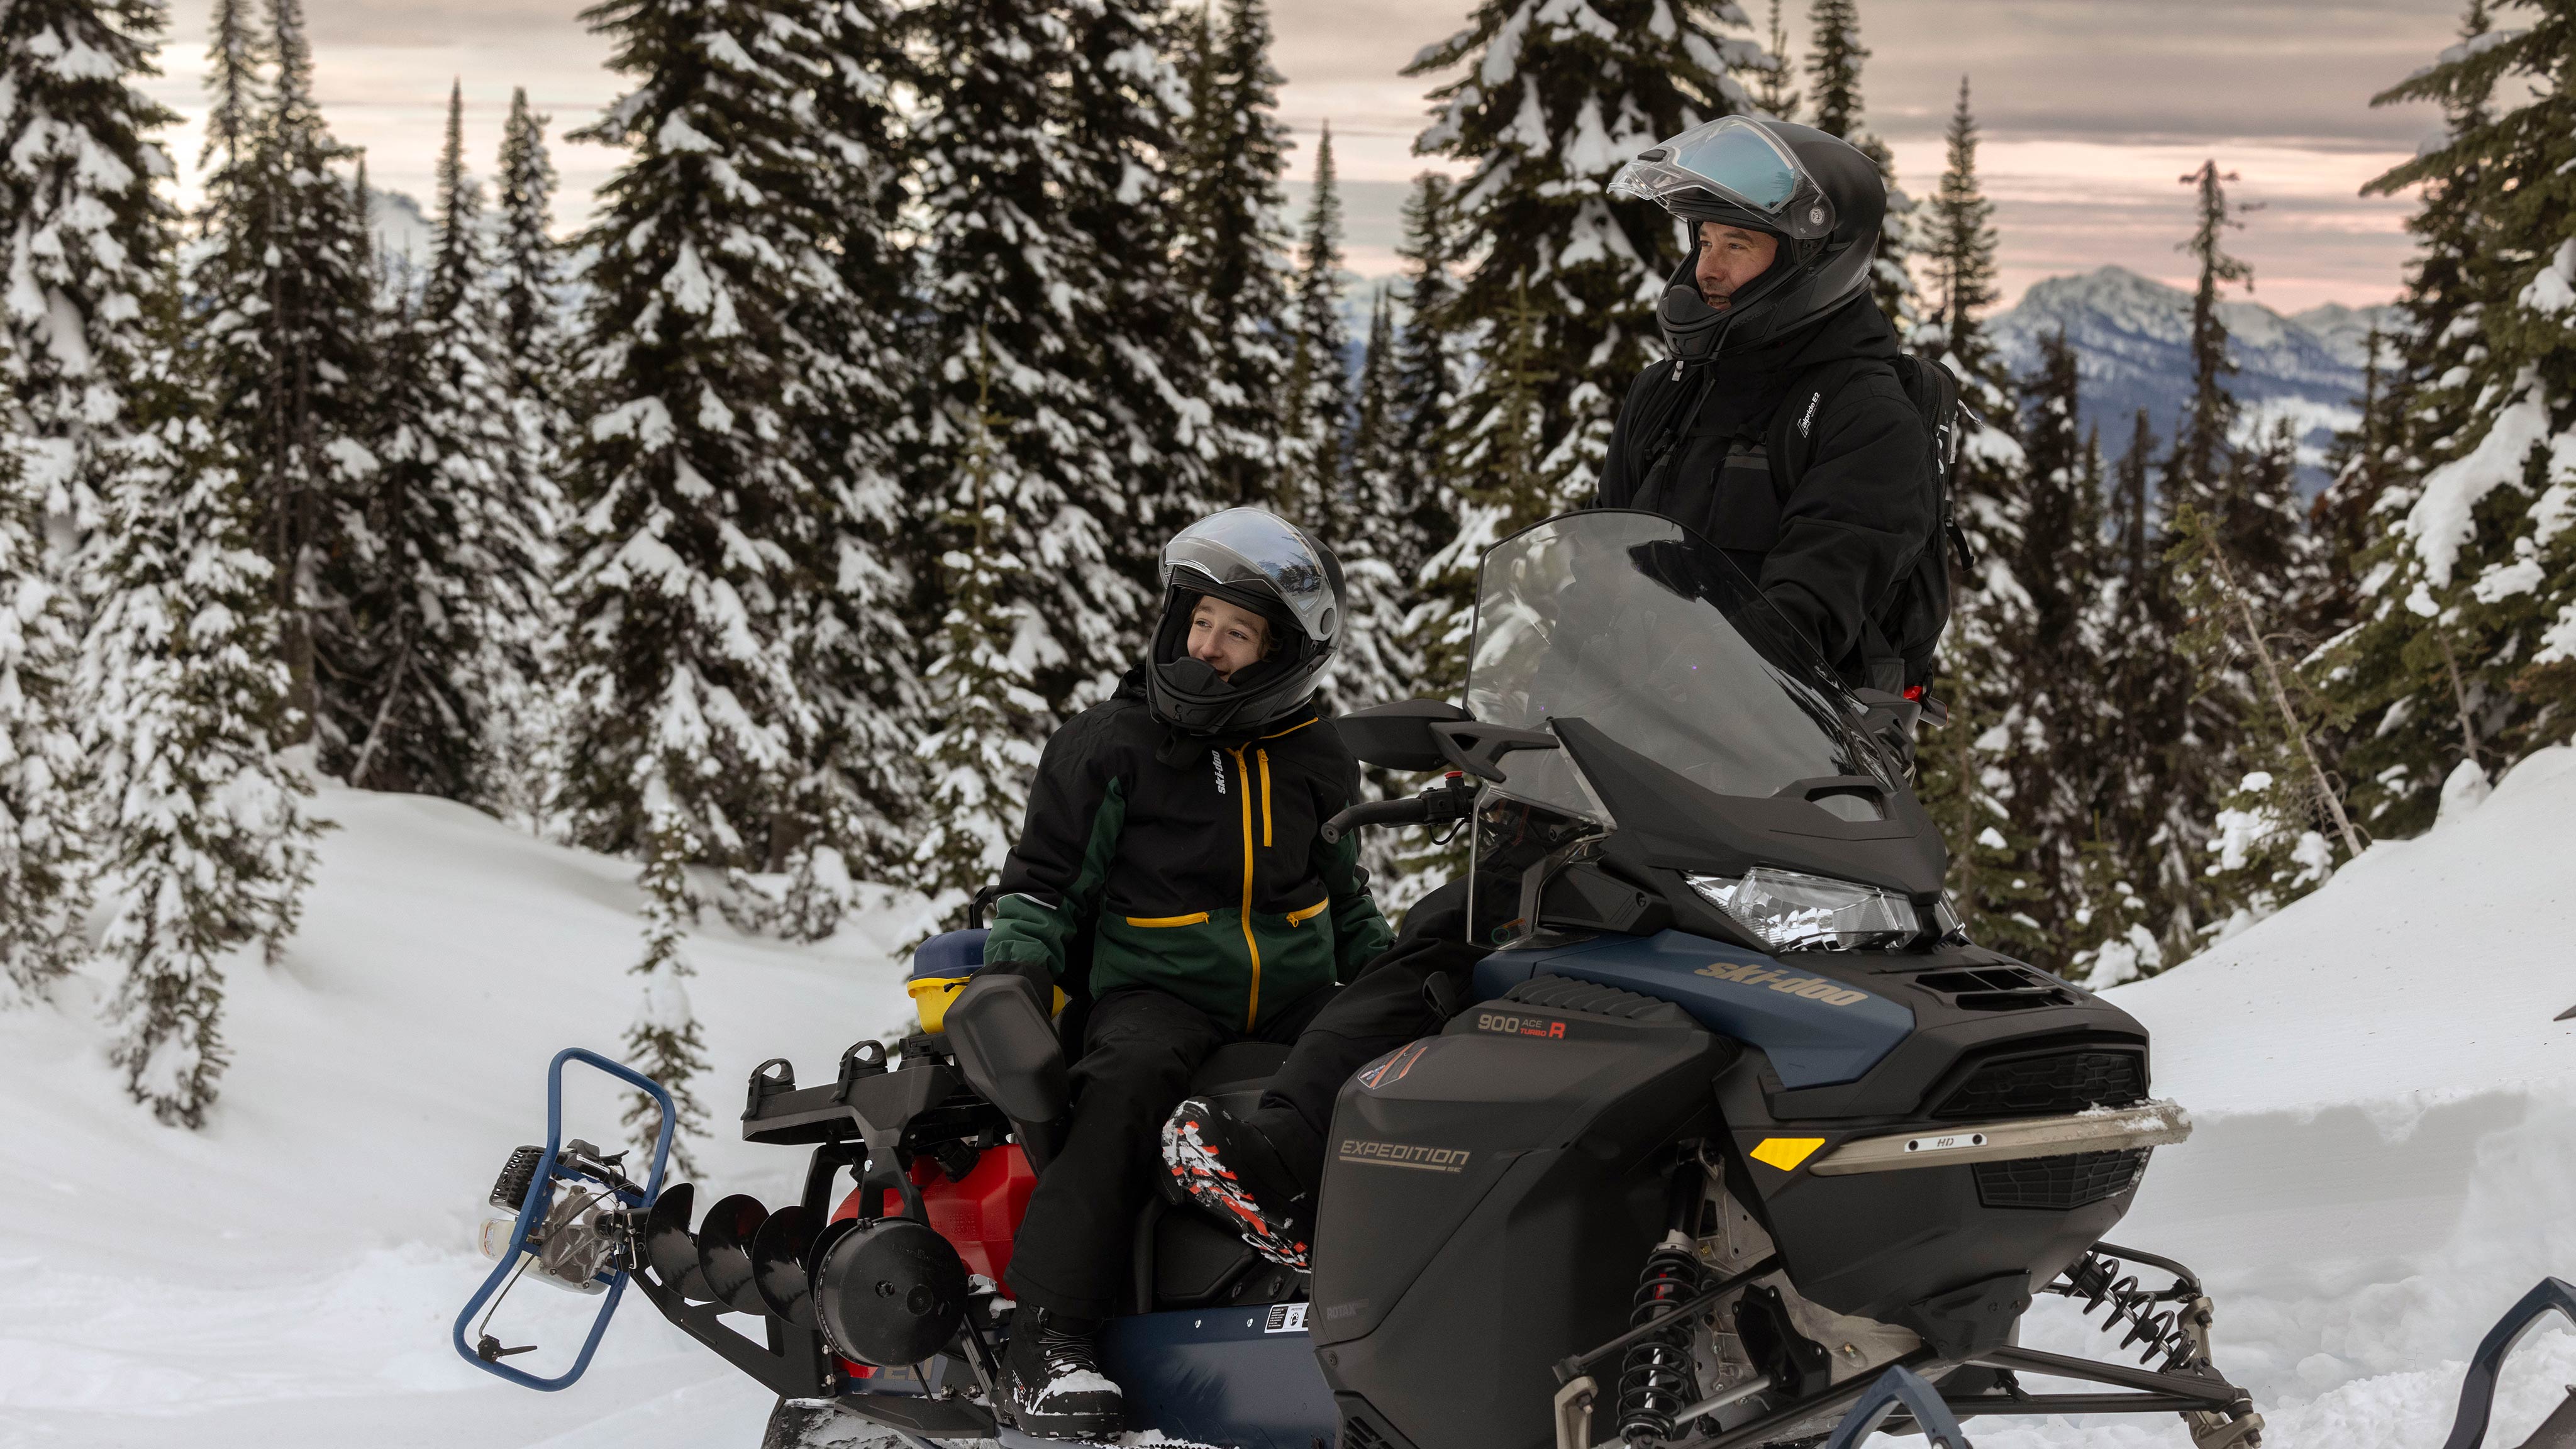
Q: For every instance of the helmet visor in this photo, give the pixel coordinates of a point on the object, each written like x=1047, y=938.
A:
x=1245, y=548
x=1729, y=164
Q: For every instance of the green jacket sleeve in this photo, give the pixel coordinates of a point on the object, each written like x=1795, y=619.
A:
x=1051, y=880
x=1360, y=931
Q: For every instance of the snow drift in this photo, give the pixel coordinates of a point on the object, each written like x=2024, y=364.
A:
x=2385, y=1156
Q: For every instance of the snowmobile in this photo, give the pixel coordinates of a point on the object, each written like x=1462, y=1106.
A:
x=1732, y=1131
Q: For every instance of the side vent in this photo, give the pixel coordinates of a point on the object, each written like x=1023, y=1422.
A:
x=1996, y=988
x=1566, y=994
x=2060, y=1182
x=2049, y=1083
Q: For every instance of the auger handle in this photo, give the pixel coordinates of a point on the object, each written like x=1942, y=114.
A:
x=541, y=1192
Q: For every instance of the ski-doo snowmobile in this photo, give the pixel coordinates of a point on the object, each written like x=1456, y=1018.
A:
x=1733, y=1119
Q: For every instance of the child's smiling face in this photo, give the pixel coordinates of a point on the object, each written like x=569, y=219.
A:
x=1227, y=637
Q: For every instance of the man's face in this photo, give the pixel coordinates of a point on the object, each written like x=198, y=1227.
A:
x=1730, y=257
x=1227, y=638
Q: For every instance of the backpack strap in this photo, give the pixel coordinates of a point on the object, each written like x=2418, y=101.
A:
x=1677, y=403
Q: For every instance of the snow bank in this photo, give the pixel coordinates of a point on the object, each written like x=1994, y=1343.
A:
x=2385, y=1155
x=288, y=1275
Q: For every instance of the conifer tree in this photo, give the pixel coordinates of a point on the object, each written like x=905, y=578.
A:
x=1772, y=93
x=1373, y=664
x=2464, y=659
x=2209, y=418
x=282, y=285
x=1231, y=258
x=997, y=169
x=85, y=227
x=455, y=572
x=1961, y=246
x=1834, y=58
x=1128, y=110
x=856, y=637
x=1316, y=429
x=1553, y=101
x=698, y=516
x=207, y=840
x=983, y=756
x=1425, y=381
x=43, y=854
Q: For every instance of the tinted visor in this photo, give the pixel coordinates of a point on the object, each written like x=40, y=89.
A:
x=1245, y=548
x=1725, y=165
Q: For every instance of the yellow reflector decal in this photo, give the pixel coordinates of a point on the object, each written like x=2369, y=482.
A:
x=1785, y=1153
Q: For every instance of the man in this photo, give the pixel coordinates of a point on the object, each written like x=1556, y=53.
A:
x=1778, y=354
x=1779, y=429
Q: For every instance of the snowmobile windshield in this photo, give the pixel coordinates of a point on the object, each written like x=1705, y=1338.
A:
x=1711, y=169
x=1634, y=624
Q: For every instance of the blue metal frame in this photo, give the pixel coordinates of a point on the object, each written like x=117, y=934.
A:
x=1900, y=1388
x=541, y=1193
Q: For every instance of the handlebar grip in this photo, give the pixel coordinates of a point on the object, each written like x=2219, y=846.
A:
x=1413, y=811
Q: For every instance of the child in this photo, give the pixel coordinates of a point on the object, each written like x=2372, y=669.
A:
x=1177, y=826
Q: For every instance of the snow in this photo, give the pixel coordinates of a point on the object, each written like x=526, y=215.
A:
x=2384, y=1155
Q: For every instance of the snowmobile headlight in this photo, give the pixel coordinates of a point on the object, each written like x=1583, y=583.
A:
x=1793, y=911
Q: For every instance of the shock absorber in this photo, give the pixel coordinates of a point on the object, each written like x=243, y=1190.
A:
x=1656, y=1380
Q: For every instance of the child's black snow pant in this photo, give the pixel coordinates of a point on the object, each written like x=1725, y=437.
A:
x=1140, y=1049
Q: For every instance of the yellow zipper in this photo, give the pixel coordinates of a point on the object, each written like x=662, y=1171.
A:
x=1265, y=799
x=1304, y=914
x=1252, y=1006
x=1192, y=919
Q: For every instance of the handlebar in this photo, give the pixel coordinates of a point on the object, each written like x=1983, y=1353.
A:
x=1450, y=800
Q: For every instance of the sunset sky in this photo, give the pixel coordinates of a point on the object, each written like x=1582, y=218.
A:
x=2091, y=108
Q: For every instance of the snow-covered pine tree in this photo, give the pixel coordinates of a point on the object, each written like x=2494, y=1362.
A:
x=1231, y=257
x=1965, y=778
x=2465, y=657
x=1316, y=427
x=983, y=754
x=2054, y=655
x=86, y=228
x=998, y=169
x=1425, y=382
x=1834, y=58
x=1773, y=94
x=1129, y=114
x=1374, y=664
x=526, y=280
x=857, y=639
x=285, y=299
x=454, y=577
x=207, y=843
x=44, y=857
x=698, y=517
x=1552, y=101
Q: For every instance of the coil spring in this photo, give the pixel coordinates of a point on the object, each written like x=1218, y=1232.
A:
x=1655, y=1379
x=2095, y=1279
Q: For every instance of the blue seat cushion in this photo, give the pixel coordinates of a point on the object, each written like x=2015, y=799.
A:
x=949, y=954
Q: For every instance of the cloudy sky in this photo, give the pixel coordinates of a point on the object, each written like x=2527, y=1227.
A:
x=2091, y=110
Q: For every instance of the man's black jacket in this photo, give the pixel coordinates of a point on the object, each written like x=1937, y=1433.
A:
x=1832, y=551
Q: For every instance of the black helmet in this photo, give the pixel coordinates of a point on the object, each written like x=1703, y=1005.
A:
x=1264, y=563
x=1820, y=194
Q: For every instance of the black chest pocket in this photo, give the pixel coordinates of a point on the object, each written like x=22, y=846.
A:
x=1743, y=509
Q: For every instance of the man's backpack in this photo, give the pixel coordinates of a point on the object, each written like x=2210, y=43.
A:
x=1905, y=626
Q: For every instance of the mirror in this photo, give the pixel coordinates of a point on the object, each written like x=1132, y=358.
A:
x=1398, y=736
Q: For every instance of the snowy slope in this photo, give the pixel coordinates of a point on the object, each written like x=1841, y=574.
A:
x=287, y=1276
x=2385, y=1154
x=2132, y=338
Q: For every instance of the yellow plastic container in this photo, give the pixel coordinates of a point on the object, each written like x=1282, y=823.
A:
x=931, y=995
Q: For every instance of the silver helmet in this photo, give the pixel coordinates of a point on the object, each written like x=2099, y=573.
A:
x=1261, y=562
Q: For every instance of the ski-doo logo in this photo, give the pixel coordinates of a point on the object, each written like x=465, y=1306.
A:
x=1404, y=1154
x=1808, y=422
x=1218, y=761
x=1813, y=988
x=1537, y=1026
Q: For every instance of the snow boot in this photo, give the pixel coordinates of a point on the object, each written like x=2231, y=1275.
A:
x=1052, y=1380
x=1230, y=1168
